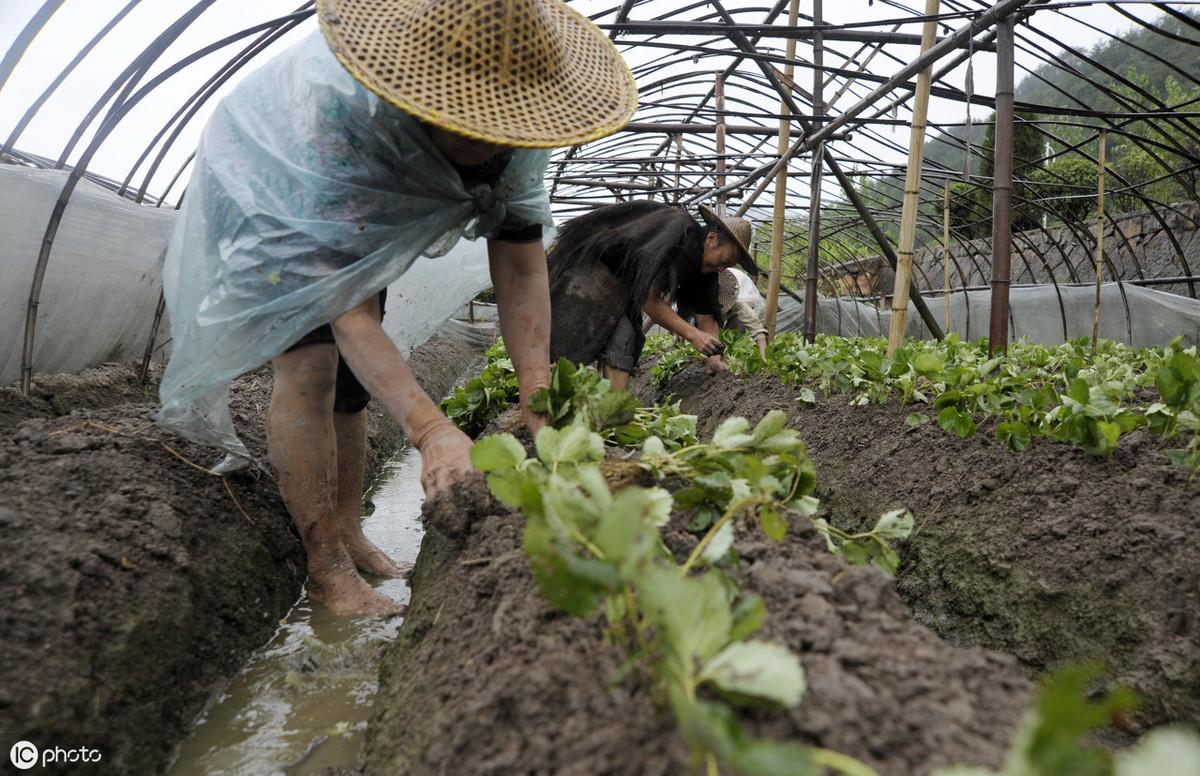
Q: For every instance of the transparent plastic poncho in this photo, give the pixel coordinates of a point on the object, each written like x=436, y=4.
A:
x=309, y=194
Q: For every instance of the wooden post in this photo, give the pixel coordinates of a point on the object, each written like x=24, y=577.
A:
x=1002, y=189
x=946, y=256
x=773, y=277
x=719, y=104
x=814, y=190
x=912, y=187
x=1099, y=241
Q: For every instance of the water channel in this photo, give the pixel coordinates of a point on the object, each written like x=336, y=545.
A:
x=301, y=703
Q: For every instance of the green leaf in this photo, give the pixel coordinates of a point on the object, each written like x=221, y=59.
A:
x=758, y=669
x=614, y=409
x=773, y=524
x=540, y=400
x=1063, y=715
x=512, y=487
x=1079, y=391
x=719, y=545
x=732, y=433
x=493, y=453
x=693, y=612
x=807, y=396
x=574, y=590
x=1173, y=750
x=928, y=364
x=658, y=507
x=917, y=419
x=622, y=534
x=896, y=524
x=547, y=444
x=653, y=447
x=705, y=516
x=771, y=424
x=579, y=443
x=1014, y=434
x=748, y=616
x=961, y=423
x=712, y=727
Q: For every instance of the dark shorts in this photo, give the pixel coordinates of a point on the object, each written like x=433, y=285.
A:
x=350, y=395
x=624, y=347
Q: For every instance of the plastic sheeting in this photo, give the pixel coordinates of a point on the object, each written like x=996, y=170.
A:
x=300, y=172
x=1133, y=315
x=101, y=283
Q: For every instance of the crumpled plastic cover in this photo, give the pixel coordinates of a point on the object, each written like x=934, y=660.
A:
x=309, y=194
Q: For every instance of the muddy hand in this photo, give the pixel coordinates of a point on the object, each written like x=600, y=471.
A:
x=707, y=344
x=445, y=456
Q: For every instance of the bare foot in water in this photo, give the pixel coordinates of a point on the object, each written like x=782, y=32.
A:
x=349, y=595
x=371, y=560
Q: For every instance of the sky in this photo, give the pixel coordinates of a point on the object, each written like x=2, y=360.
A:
x=78, y=20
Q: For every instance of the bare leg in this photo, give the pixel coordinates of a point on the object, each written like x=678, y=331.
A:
x=302, y=448
x=351, y=431
x=618, y=379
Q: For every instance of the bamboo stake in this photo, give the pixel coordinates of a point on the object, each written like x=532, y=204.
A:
x=999, y=319
x=719, y=104
x=1099, y=241
x=946, y=256
x=814, y=192
x=678, y=167
x=912, y=186
x=773, y=277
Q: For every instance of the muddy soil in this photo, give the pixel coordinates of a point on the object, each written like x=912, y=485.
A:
x=1048, y=554
x=485, y=678
x=136, y=583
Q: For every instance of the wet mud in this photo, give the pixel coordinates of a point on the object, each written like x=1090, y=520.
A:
x=135, y=582
x=1048, y=554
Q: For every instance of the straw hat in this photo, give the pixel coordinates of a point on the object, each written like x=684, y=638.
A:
x=736, y=229
x=727, y=289
x=528, y=73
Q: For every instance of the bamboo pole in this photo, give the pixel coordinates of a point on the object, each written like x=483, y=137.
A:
x=814, y=191
x=1002, y=190
x=678, y=168
x=946, y=256
x=912, y=186
x=1099, y=240
x=773, y=277
x=719, y=104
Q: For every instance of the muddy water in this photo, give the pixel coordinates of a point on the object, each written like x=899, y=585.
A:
x=301, y=703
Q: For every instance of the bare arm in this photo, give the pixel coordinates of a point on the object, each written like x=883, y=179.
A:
x=661, y=313
x=708, y=324
x=377, y=363
x=523, y=302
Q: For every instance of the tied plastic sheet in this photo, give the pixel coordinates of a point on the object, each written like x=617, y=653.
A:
x=309, y=195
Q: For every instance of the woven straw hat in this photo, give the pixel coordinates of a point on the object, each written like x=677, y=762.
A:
x=527, y=73
x=727, y=289
x=737, y=229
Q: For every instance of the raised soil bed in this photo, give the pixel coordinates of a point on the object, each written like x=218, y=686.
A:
x=1048, y=554
x=486, y=678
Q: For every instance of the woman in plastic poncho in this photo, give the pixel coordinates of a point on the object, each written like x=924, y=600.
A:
x=319, y=180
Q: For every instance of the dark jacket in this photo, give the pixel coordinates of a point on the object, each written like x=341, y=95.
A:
x=604, y=265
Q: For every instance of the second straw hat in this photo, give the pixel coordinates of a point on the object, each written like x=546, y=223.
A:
x=736, y=229
x=529, y=73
